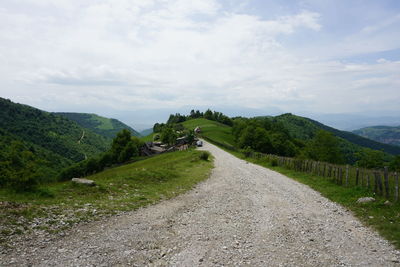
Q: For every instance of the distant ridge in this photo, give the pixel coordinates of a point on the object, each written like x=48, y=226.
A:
x=146, y=132
x=384, y=134
x=103, y=126
x=305, y=128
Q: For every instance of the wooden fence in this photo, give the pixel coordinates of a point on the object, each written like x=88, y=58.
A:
x=382, y=182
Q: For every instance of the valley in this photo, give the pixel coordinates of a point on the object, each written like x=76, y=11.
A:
x=41, y=207
x=243, y=214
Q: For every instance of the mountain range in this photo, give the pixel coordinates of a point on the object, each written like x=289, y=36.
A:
x=382, y=134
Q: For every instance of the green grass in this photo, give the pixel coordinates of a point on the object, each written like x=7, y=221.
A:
x=384, y=218
x=123, y=188
x=147, y=138
x=213, y=130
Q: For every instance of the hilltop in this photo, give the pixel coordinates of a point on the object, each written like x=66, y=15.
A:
x=384, y=134
x=103, y=126
x=213, y=130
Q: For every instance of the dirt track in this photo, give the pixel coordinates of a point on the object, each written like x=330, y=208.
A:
x=243, y=215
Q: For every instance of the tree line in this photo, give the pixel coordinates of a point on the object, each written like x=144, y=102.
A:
x=269, y=136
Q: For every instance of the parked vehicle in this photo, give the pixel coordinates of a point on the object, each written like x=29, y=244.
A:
x=199, y=143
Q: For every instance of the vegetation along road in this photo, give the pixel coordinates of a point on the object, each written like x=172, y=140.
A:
x=243, y=214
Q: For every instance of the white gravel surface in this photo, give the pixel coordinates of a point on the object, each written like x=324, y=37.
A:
x=243, y=215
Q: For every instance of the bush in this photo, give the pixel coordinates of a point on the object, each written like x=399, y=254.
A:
x=204, y=155
x=274, y=162
x=247, y=152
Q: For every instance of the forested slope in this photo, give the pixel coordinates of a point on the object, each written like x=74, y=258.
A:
x=103, y=126
x=384, y=134
x=305, y=128
x=36, y=144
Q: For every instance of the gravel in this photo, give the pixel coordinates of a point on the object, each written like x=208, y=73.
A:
x=243, y=215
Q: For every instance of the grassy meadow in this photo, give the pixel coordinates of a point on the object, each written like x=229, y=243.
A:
x=59, y=206
x=213, y=130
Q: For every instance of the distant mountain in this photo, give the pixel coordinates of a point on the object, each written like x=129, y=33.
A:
x=100, y=125
x=50, y=137
x=305, y=128
x=383, y=134
x=354, y=121
x=146, y=132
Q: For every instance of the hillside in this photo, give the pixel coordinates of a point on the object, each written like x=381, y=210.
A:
x=383, y=134
x=146, y=132
x=213, y=130
x=50, y=137
x=305, y=128
x=103, y=126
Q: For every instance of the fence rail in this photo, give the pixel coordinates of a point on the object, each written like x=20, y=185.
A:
x=381, y=182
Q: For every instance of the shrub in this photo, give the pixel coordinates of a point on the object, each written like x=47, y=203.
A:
x=247, y=152
x=274, y=162
x=204, y=155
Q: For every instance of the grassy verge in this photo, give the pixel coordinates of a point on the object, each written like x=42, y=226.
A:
x=59, y=206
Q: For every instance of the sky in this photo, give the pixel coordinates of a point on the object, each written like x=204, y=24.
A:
x=140, y=60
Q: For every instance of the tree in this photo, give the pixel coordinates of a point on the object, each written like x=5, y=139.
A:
x=369, y=158
x=157, y=128
x=325, y=147
x=128, y=152
x=208, y=114
x=23, y=169
x=168, y=136
x=119, y=143
x=395, y=164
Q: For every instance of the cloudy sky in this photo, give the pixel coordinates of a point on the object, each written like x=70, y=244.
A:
x=138, y=60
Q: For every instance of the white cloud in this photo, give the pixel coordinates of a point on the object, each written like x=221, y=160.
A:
x=135, y=54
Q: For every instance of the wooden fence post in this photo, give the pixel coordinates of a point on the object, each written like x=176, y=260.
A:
x=396, y=186
x=335, y=174
x=380, y=185
x=357, y=176
x=386, y=176
x=341, y=175
x=347, y=175
x=362, y=177
x=368, y=182
x=376, y=182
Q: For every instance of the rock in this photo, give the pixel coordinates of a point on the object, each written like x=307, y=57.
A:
x=365, y=199
x=387, y=203
x=83, y=181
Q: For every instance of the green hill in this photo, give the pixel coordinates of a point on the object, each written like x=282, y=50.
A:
x=299, y=128
x=213, y=130
x=383, y=134
x=103, y=126
x=146, y=132
x=45, y=140
x=305, y=128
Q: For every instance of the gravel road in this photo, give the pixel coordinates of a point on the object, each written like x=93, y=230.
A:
x=243, y=215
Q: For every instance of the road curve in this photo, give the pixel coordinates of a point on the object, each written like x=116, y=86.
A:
x=243, y=215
